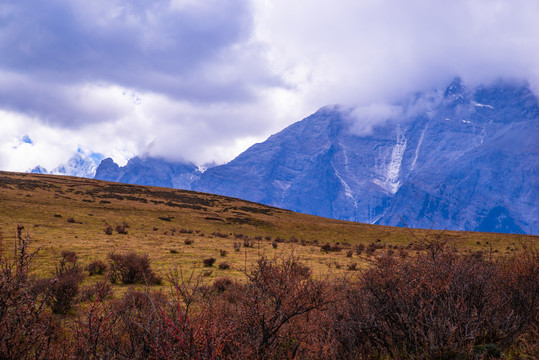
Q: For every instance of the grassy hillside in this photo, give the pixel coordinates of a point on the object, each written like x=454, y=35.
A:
x=452, y=301
x=68, y=213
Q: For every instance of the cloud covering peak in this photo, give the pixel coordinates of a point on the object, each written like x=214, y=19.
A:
x=202, y=80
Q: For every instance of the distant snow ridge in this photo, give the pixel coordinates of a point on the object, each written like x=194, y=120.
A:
x=79, y=165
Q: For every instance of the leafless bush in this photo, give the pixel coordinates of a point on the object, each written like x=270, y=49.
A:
x=131, y=268
x=69, y=256
x=64, y=286
x=221, y=284
x=436, y=305
x=96, y=267
x=96, y=292
x=26, y=329
x=276, y=299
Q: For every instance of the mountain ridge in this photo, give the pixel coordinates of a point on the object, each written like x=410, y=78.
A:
x=457, y=158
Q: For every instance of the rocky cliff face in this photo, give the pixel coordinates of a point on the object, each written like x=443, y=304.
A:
x=465, y=159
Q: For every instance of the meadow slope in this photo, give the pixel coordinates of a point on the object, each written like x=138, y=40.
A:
x=69, y=213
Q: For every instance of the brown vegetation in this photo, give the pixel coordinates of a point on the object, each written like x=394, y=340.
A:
x=131, y=268
x=435, y=305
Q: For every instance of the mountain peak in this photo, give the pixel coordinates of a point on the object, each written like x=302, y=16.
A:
x=147, y=170
x=441, y=167
x=455, y=88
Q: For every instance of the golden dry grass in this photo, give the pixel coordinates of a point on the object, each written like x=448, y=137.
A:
x=68, y=213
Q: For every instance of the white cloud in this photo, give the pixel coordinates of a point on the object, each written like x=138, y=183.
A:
x=378, y=51
x=364, y=118
x=201, y=81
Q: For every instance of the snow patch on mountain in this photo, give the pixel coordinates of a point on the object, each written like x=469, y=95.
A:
x=416, y=154
x=80, y=165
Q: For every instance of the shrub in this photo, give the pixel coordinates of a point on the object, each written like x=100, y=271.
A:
x=274, y=244
x=173, y=251
x=96, y=267
x=69, y=256
x=223, y=252
x=219, y=234
x=248, y=243
x=64, y=287
x=132, y=268
x=273, y=308
x=327, y=247
x=237, y=246
x=224, y=266
x=189, y=241
x=108, y=230
x=122, y=228
x=71, y=220
x=208, y=262
x=349, y=253
x=446, y=305
x=96, y=292
x=27, y=330
x=221, y=284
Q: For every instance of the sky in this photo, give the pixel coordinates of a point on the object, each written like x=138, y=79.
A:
x=201, y=81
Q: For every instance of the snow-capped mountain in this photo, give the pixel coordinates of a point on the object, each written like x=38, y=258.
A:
x=463, y=159
x=80, y=165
